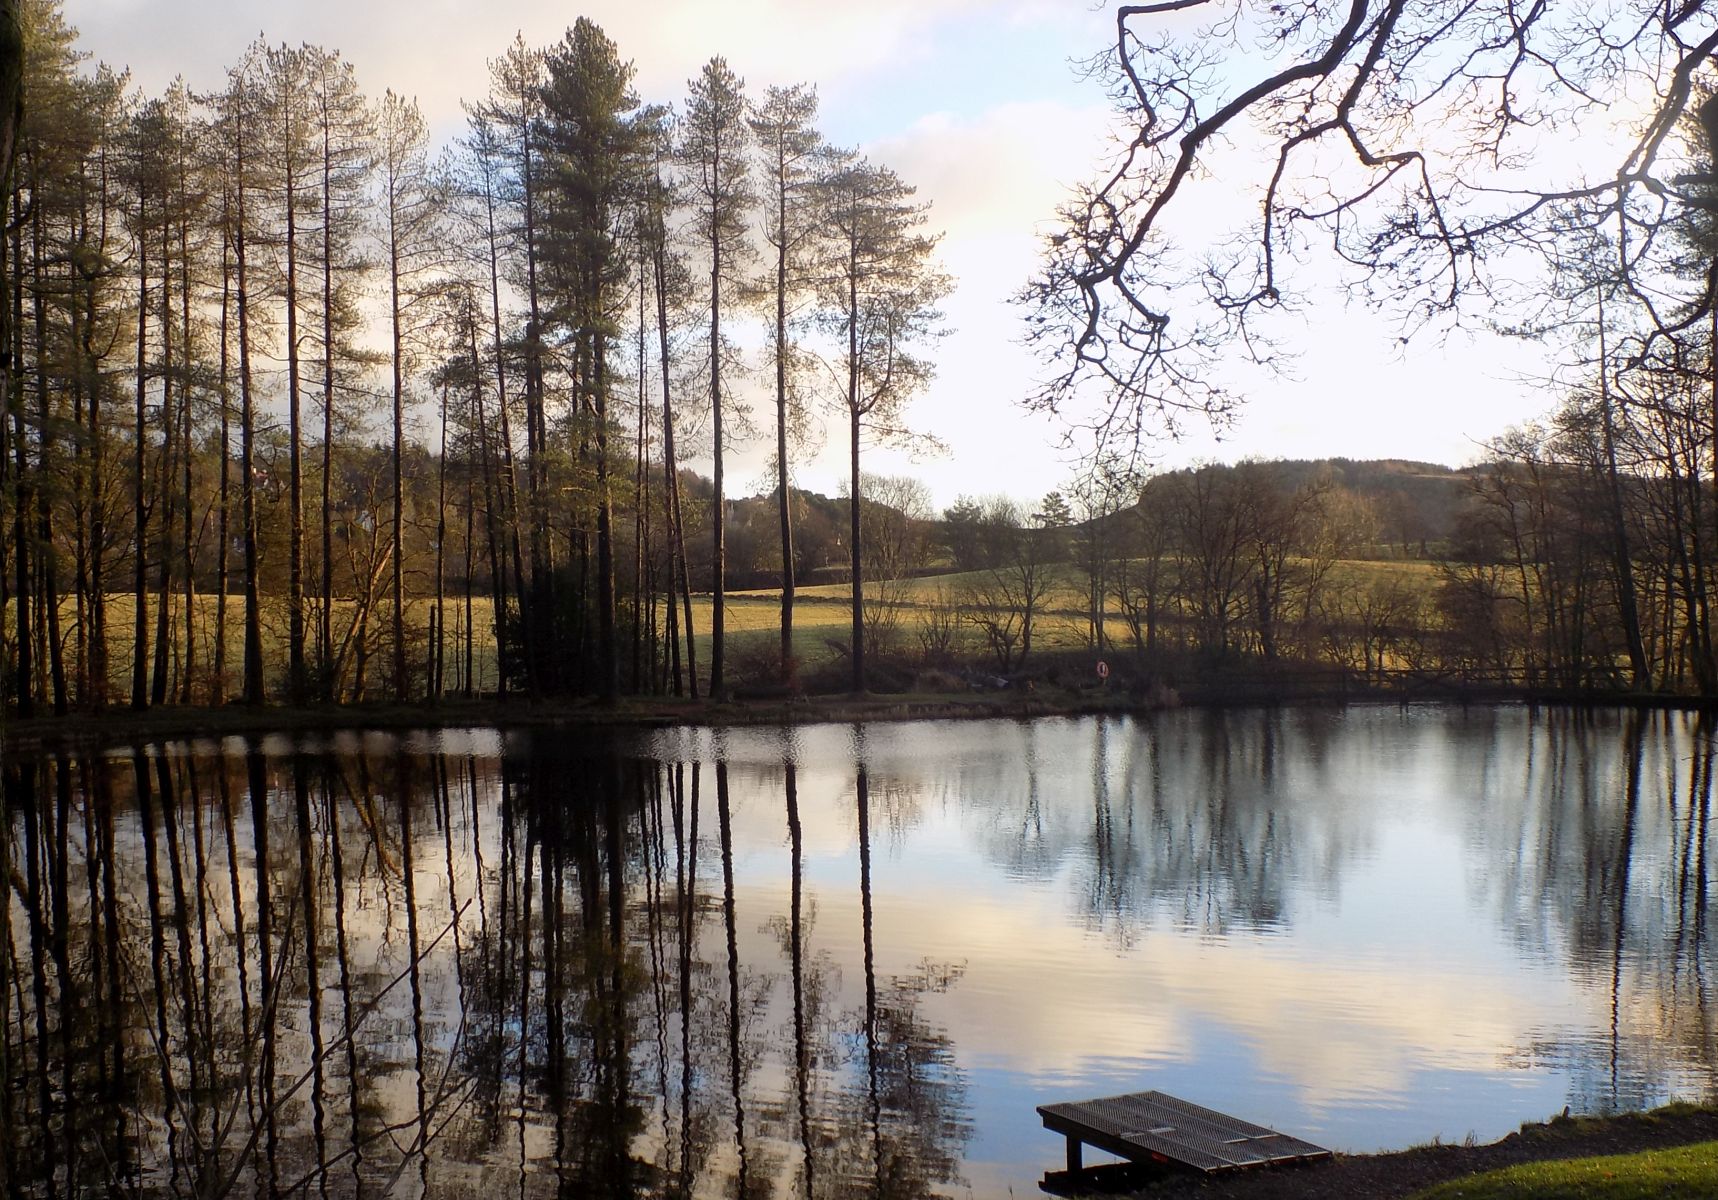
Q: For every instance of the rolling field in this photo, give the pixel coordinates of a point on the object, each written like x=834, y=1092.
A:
x=822, y=626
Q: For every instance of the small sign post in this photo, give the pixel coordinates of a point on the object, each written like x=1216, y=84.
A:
x=1103, y=673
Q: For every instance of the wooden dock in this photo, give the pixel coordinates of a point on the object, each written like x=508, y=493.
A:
x=1151, y=1127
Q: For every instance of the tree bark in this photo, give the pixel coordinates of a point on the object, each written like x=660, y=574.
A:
x=784, y=502
x=670, y=469
x=296, y=679
x=140, y=513
x=853, y=402
x=253, y=683
x=608, y=642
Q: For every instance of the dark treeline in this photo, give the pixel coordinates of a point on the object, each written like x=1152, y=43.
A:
x=305, y=407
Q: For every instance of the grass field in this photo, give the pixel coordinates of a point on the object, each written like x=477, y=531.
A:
x=276, y=633
x=822, y=627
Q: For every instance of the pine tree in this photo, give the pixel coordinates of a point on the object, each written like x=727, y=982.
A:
x=670, y=288
x=881, y=300
x=412, y=203
x=343, y=132
x=289, y=150
x=96, y=307
x=513, y=110
x=146, y=181
x=51, y=146
x=484, y=182
x=714, y=138
x=237, y=130
x=591, y=159
x=793, y=163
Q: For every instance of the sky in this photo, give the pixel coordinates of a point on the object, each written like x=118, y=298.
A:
x=980, y=105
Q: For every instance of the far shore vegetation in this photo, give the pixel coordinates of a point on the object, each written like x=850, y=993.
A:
x=309, y=411
x=1262, y=580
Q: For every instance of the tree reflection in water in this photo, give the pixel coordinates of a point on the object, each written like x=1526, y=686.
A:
x=355, y=974
x=370, y=968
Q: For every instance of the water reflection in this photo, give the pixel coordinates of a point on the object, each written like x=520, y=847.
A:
x=835, y=962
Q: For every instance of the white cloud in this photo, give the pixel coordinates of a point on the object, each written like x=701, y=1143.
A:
x=435, y=49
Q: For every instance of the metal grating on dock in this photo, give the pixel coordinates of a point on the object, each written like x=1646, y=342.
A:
x=1154, y=1127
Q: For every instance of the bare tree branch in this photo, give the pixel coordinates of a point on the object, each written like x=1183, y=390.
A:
x=1426, y=146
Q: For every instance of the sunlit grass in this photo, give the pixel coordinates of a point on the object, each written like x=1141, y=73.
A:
x=822, y=627
x=121, y=611
x=1682, y=1173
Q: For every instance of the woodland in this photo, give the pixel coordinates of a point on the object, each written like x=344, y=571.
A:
x=302, y=408
x=288, y=377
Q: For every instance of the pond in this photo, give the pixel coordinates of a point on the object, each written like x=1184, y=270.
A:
x=841, y=960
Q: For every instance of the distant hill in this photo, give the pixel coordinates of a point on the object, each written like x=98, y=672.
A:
x=1416, y=505
x=1416, y=502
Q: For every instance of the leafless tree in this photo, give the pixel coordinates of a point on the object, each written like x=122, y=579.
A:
x=1005, y=602
x=894, y=529
x=1408, y=140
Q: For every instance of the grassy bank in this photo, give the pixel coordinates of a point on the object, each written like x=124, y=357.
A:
x=121, y=725
x=1681, y=1173
x=1670, y=1152
x=942, y=698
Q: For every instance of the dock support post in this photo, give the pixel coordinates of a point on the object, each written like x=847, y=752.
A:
x=1074, y=1165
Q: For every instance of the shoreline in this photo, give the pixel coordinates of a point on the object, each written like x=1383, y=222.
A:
x=118, y=726
x=1405, y=1173
x=123, y=726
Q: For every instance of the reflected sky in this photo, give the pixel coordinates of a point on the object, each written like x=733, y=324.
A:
x=524, y=962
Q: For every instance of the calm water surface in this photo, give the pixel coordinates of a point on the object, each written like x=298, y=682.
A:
x=841, y=960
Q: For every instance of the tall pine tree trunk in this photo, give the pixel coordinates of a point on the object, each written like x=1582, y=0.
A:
x=438, y=649
x=643, y=596
x=539, y=614
x=325, y=614
x=164, y=488
x=140, y=517
x=509, y=471
x=223, y=517
x=853, y=402
x=80, y=465
x=671, y=473
x=397, y=585
x=784, y=505
x=47, y=556
x=493, y=536
x=719, y=548
x=187, y=450
x=608, y=647
x=98, y=653
x=296, y=681
x=253, y=686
